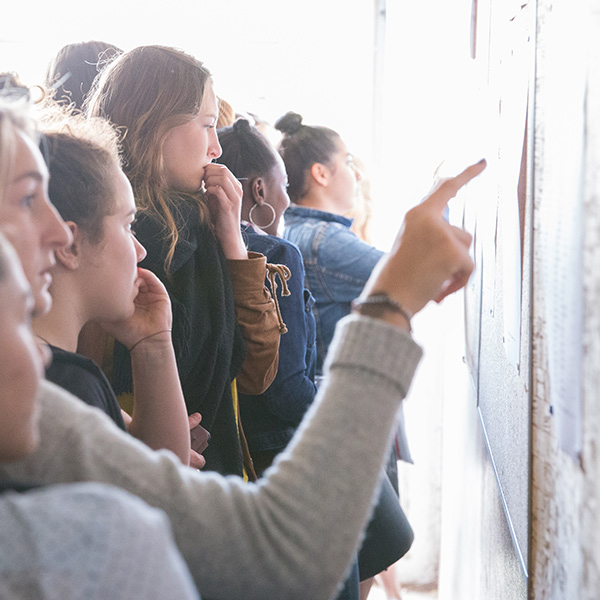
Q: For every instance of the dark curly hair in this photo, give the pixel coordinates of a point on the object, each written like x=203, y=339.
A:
x=246, y=152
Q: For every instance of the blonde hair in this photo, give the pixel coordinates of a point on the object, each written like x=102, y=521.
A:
x=362, y=213
x=145, y=93
x=227, y=115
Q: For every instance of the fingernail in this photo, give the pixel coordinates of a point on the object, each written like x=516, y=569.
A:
x=481, y=161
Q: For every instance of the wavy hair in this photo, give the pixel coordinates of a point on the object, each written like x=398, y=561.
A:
x=71, y=73
x=83, y=156
x=145, y=93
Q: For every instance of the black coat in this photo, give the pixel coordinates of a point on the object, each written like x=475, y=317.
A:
x=208, y=342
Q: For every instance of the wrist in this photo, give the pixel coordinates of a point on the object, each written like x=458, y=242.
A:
x=234, y=249
x=380, y=306
x=152, y=340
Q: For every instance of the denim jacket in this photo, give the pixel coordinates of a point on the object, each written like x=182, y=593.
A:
x=337, y=265
x=271, y=418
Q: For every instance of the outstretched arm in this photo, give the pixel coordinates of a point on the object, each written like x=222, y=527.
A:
x=430, y=258
x=295, y=530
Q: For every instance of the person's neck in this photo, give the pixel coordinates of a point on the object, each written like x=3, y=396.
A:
x=318, y=200
x=60, y=326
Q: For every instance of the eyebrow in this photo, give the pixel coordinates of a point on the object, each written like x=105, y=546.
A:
x=30, y=175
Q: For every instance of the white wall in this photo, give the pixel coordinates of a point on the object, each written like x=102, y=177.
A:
x=267, y=56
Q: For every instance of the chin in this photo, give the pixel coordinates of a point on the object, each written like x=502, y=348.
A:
x=192, y=187
x=43, y=302
x=128, y=313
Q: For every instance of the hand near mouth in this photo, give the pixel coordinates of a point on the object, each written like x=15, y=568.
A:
x=224, y=200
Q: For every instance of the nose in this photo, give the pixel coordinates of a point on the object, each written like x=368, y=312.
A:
x=55, y=232
x=214, y=147
x=140, y=251
x=357, y=173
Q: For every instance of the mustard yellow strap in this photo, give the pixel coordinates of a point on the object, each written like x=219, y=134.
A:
x=249, y=473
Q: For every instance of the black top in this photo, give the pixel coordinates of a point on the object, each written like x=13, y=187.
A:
x=208, y=343
x=10, y=485
x=84, y=379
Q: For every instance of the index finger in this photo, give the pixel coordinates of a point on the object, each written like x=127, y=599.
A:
x=218, y=170
x=449, y=188
x=222, y=178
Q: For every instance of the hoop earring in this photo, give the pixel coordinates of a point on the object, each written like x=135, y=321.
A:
x=269, y=223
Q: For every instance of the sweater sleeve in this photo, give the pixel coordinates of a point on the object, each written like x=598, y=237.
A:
x=293, y=533
x=88, y=541
x=256, y=316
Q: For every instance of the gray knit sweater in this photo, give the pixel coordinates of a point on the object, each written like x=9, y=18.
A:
x=88, y=540
x=292, y=534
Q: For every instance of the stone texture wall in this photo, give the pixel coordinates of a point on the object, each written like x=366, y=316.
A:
x=477, y=557
x=565, y=493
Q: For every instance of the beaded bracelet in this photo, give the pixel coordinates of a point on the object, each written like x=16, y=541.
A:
x=376, y=304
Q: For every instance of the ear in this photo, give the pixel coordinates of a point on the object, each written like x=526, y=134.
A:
x=320, y=173
x=257, y=188
x=70, y=256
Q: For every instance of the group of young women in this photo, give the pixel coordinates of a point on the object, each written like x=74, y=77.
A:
x=167, y=251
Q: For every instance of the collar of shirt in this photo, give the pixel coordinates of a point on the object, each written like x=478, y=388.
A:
x=302, y=212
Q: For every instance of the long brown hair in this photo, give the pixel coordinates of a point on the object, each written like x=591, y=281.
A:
x=145, y=93
x=73, y=70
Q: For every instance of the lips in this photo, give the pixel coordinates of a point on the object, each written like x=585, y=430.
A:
x=46, y=272
x=46, y=277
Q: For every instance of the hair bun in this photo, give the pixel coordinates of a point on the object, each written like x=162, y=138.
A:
x=290, y=123
x=242, y=126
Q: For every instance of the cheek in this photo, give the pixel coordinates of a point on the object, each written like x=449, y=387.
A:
x=128, y=260
x=352, y=183
x=186, y=145
x=24, y=242
x=282, y=204
x=199, y=148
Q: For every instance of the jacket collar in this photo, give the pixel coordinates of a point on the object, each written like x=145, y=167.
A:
x=301, y=212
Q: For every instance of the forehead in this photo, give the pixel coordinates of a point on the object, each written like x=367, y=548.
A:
x=28, y=159
x=278, y=170
x=341, y=147
x=123, y=194
x=209, y=101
